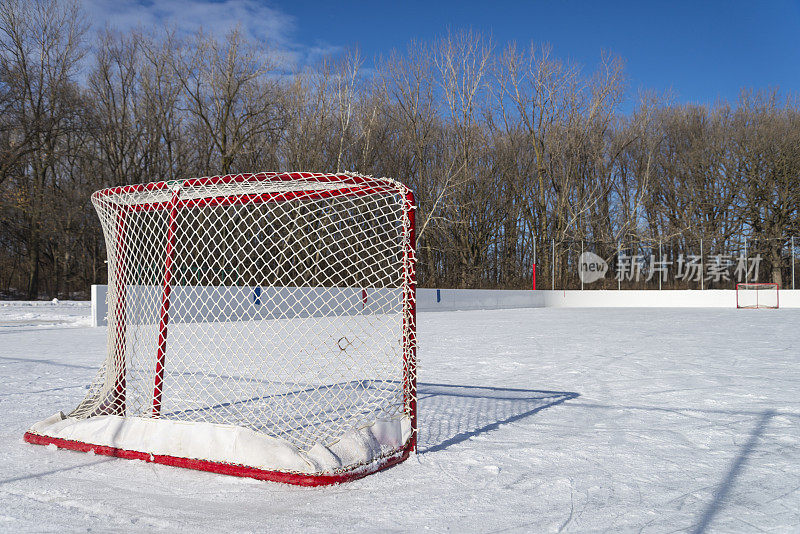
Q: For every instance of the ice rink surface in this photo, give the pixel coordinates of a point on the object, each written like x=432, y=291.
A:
x=538, y=420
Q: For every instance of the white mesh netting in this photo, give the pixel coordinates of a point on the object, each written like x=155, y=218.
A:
x=757, y=295
x=281, y=303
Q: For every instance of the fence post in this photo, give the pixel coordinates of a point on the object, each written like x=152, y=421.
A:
x=619, y=280
x=553, y=266
x=579, y=266
x=702, y=267
x=660, y=263
x=792, y=262
x=745, y=261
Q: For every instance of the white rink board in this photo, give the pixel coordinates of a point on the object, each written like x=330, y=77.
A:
x=235, y=303
x=501, y=299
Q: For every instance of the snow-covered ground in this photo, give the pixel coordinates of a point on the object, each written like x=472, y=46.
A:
x=655, y=420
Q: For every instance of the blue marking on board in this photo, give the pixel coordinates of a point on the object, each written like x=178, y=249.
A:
x=257, y=296
x=438, y=295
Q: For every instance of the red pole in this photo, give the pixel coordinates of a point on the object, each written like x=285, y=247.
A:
x=410, y=323
x=534, y=276
x=164, y=319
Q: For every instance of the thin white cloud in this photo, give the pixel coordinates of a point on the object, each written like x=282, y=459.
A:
x=260, y=23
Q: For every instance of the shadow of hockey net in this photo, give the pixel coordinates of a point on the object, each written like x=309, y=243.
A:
x=271, y=310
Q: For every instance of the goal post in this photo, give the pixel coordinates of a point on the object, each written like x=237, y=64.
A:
x=261, y=325
x=757, y=295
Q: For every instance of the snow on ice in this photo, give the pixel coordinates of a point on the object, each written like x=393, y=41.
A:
x=531, y=421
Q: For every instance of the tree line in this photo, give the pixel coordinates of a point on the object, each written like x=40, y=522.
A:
x=508, y=148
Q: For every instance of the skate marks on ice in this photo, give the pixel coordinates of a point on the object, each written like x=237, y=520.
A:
x=41, y=474
x=723, y=489
x=450, y=413
x=724, y=499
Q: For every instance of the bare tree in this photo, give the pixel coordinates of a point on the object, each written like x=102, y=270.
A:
x=41, y=44
x=227, y=91
x=507, y=152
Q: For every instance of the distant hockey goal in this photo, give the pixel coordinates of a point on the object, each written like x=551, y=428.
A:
x=757, y=295
x=259, y=325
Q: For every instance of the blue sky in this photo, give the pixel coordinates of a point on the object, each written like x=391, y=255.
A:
x=701, y=51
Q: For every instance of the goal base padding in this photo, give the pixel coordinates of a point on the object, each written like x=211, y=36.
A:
x=154, y=451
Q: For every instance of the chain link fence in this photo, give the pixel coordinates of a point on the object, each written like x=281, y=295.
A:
x=678, y=263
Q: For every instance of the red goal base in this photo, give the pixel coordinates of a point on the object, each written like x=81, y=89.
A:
x=298, y=479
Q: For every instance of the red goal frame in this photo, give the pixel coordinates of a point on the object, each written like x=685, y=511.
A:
x=758, y=286
x=360, y=186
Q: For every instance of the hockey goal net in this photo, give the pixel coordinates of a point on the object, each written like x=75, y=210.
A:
x=757, y=295
x=259, y=325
